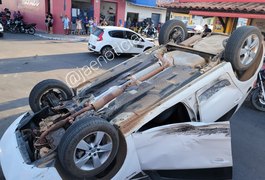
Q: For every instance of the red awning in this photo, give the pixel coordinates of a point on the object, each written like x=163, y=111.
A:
x=222, y=14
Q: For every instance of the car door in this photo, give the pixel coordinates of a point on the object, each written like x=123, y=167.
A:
x=190, y=145
x=217, y=98
x=136, y=43
x=118, y=41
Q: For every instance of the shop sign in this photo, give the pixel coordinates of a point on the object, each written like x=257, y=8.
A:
x=34, y=3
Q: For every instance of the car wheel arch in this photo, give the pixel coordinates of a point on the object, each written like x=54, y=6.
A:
x=168, y=116
x=108, y=45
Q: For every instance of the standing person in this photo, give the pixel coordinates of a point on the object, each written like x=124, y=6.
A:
x=66, y=22
x=86, y=24
x=15, y=15
x=120, y=22
x=129, y=22
x=95, y=23
x=50, y=23
x=19, y=16
x=7, y=13
x=47, y=22
x=91, y=23
x=78, y=25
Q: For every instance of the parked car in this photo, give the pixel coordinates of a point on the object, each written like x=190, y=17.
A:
x=1, y=30
x=195, y=29
x=111, y=40
x=160, y=110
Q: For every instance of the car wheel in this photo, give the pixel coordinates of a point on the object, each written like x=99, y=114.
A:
x=108, y=52
x=1, y=34
x=243, y=47
x=31, y=31
x=48, y=93
x=88, y=147
x=174, y=31
x=257, y=100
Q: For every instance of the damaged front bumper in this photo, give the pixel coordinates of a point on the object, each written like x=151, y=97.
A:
x=12, y=159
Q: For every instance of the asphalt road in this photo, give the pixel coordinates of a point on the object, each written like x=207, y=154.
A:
x=26, y=60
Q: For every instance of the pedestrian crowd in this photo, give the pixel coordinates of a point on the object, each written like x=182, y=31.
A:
x=6, y=16
x=83, y=25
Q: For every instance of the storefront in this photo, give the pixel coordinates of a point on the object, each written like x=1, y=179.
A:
x=227, y=14
x=34, y=11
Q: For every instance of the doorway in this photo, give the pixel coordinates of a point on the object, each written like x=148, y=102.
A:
x=108, y=11
x=48, y=6
x=156, y=18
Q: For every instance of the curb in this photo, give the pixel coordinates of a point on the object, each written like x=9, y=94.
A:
x=72, y=39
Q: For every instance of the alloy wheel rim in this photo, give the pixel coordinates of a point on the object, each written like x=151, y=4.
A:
x=93, y=151
x=249, y=49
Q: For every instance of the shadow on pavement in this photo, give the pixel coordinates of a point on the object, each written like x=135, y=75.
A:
x=20, y=37
x=54, y=62
x=14, y=104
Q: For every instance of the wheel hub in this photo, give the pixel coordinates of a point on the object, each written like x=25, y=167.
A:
x=96, y=148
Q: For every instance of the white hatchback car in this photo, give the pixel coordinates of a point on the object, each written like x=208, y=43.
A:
x=1, y=30
x=108, y=40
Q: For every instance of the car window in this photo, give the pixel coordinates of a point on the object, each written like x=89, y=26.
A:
x=132, y=36
x=97, y=31
x=117, y=34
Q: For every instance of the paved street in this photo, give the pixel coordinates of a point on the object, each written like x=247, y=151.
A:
x=26, y=60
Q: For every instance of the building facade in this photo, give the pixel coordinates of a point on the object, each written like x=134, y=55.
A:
x=139, y=10
x=227, y=14
x=34, y=11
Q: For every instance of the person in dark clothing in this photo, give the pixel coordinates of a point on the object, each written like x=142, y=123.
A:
x=7, y=13
x=206, y=31
x=49, y=22
x=86, y=24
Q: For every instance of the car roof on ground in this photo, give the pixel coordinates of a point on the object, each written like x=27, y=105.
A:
x=114, y=28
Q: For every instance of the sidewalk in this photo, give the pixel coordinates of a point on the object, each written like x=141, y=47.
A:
x=73, y=38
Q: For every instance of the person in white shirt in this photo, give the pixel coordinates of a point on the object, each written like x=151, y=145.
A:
x=66, y=22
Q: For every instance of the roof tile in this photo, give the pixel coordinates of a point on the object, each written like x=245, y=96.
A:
x=218, y=6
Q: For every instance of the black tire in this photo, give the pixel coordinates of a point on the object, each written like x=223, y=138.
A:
x=79, y=131
x=1, y=34
x=108, y=52
x=31, y=31
x=173, y=30
x=39, y=92
x=238, y=43
x=257, y=101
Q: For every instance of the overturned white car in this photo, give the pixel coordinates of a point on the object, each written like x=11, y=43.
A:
x=164, y=109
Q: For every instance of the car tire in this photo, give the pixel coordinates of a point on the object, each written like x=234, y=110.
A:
x=256, y=101
x=108, y=52
x=172, y=30
x=79, y=150
x=50, y=87
x=243, y=47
